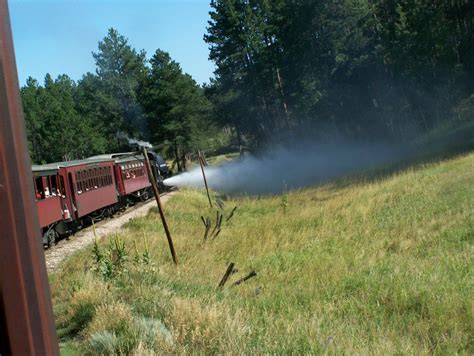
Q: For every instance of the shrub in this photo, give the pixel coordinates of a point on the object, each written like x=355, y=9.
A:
x=114, y=319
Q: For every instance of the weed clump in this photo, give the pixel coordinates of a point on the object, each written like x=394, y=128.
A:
x=210, y=329
x=113, y=327
x=111, y=262
x=81, y=307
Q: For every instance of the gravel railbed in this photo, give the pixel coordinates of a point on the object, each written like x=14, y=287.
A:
x=58, y=253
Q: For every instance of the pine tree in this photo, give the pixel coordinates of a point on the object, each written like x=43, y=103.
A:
x=120, y=70
x=176, y=107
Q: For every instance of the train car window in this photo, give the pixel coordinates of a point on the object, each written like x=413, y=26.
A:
x=55, y=186
x=48, y=184
x=39, y=187
x=97, y=177
x=89, y=179
x=46, y=187
x=78, y=182
x=61, y=181
x=86, y=181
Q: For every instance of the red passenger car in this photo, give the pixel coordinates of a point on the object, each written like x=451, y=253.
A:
x=48, y=199
x=66, y=192
x=91, y=184
x=130, y=174
x=132, y=178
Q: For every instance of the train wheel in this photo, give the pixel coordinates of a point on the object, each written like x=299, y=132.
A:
x=50, y=238
x=110, y=212
x=144, y=196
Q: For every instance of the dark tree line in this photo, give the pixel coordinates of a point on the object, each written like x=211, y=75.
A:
x=364, y=68
x=128, y=95
x=367, y=69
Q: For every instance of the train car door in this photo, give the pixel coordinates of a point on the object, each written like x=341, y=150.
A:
x=68, y=204
x=72, y=188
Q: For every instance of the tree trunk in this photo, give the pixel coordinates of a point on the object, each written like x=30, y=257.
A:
x=183, y=160
x=282, y=96
x=239, y=135
x=176, y=154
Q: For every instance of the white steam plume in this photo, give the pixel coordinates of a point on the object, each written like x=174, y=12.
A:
x=132, y=141
x=139, y=143
x=282, y=168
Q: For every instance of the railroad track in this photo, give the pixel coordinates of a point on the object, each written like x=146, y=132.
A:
x=82, y=238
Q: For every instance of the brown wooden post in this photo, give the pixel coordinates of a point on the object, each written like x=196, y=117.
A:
x=152, y=179
x=242, y=280
x=201, y=163
x=26, y=314
x=228, y=272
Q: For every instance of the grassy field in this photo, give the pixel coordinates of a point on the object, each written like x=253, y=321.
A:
x=371, y=266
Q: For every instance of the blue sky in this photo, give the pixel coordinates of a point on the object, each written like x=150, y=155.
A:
x=58, y=36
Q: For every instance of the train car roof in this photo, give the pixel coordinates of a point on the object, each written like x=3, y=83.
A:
x=137, y=157
x=52, y=168
x=111, y=155
x=121, y=157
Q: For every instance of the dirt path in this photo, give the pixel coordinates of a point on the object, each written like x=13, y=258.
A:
x=55, y=255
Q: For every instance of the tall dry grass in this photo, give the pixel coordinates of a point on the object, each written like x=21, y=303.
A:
x=358, y=266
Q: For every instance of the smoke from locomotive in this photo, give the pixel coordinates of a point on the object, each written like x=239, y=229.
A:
x=286, y=168
x=132, y=142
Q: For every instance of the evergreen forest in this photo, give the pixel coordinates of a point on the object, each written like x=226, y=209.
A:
x=362, y=69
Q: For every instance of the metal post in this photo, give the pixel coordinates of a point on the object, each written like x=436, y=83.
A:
x=152, y=179
x=26, y=316
x=201, y=163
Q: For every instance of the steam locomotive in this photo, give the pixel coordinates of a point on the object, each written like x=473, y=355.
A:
x=70, y=194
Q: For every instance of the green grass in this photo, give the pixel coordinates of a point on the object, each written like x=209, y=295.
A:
x=222, y=158
x=371, y=266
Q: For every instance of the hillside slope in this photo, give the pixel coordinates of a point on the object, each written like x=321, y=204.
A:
x=359, y=266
